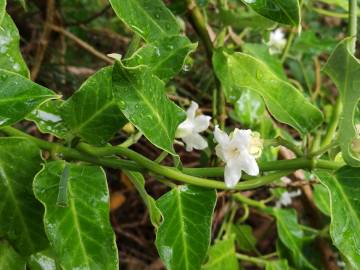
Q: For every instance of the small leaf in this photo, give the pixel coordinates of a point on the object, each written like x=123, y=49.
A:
x=19, y=96
x=292, y=236
x=150, y=19
x=344, y=69
x=138, y=180
x=321, y=199
x=244, y=237
x=9, y=258
x=343, y=186
x=239, y=71
x=47, y=118
x=183, y=237
x=20, y=213
x=277, y=265
x=141, y=97
x=2, y=9
x=43, y=260
x=92, y=112
x=80, y=234
x=165, y=57
x=286, y=12
x=10, y=55
x=222, y=256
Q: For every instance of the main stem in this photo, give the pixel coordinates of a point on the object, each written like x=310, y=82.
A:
x=353, y=24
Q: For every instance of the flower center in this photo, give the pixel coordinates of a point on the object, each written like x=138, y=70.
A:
x=256, y=145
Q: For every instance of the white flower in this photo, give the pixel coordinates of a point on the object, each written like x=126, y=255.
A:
x=189, y=130
x=277, y=41
x=239, y=151
x=286, y=198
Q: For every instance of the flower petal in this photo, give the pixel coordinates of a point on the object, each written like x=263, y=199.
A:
x=241, y=137
x=201, y=123
x=191, y=111
x=232, y=175
x=184, y=129
x=248, y=163
x=195, y=141
x=220, y=136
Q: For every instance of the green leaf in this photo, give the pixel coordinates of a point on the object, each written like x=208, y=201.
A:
x=2, y=9
x=343, y=186
x=292, y=236
x=239, y=71
x=309, y=43
x=44, y=260
x=165, y=57
x=20, y=213
x=344, y=69
x=47, y=118
x=245, y=239
x=183, y=237
x=277, y=265
x=285, y=12
x=10, y=55
x=141, y=97
x=80, y=234
x=9, y=258
x=321, y=199
x=92, y=113
x=222, y=256
x=139, y=182
x=150, y=19
x=19, y=96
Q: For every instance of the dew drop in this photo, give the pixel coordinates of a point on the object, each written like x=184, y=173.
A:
x=16, y=67
x=157, y=16
x=259, y=75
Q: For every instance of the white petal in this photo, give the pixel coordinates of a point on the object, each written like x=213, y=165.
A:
x=241, y=137
x=201, y=123
x=191, y=111
x=195, y=141
x=232, y=175
x=220, y=136
x=220, y=152
x=248, y=164
x=184, y=129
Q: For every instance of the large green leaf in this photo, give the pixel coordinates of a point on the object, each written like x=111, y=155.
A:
x=10, y=55
x=9, y=258
x=80, y=234
x=344, y=70
x=344, y=186
x=20, y=213
x=244, y=237
x=92, y=112
x=47, y=118
x=150, y=19
x=139, y=182
x=2, y=9
x=239, y=71
x=141, y=97
x=222, y=256
x=292, y=236
x=321, y=199
x=19, y=96
x=286, y=12
x=183, y=237
x=165, y=57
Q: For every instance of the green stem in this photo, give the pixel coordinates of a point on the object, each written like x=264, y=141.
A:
x=288, y=45
x=334, y=121
x=353, y=24
x=323, y=149
x=330, y=13
x=243, y=199
x=257, y=261
x=289, y=145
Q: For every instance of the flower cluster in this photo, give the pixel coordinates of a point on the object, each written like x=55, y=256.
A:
x=277, y=41
x=238, y=151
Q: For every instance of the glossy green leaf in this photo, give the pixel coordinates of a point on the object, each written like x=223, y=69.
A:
x=165, y=57
x=141, y=97
x=222, y=256
x=321, y=199
x=344, y=69
x=80, y=234
x=292, y=236
x=10, y=55
x=92, y=113
x=183, y=237
x=19, y=96
x=285, y=12
x=139, y=182
x=20, y=213
x=277, y=265
x=239, y=71
x=9, y=258
x=2, y=9
x=309, y=43
x=149, y=18
x=43, y=260
x=244, y=237
x=344, y=186
x=47, y=118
